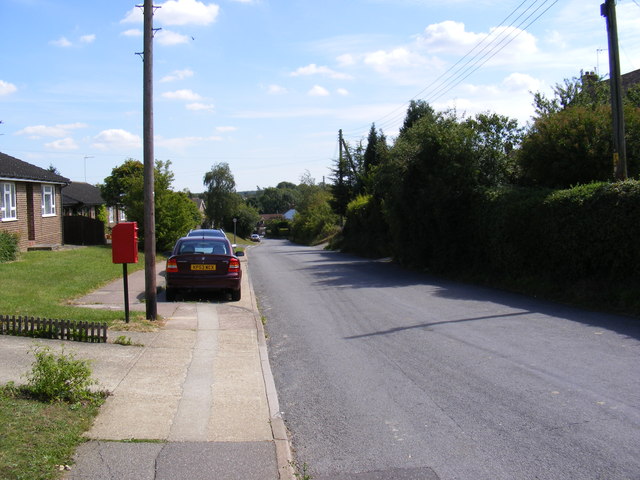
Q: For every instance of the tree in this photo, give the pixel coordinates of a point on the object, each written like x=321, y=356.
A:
x=496, y=137
x=570, y=141
x=247, y=218
x=175, y=213
x=417, y=110
x=219, y=197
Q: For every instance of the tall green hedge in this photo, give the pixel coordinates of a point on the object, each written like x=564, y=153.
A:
x=584, y=232
x=8, y=247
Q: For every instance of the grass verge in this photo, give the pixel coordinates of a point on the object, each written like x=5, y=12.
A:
x=41, y=283
x=38, y=438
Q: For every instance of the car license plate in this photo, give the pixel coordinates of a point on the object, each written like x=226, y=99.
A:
x=199, y=266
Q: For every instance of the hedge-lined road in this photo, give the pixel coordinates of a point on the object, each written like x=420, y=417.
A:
x=396, y=375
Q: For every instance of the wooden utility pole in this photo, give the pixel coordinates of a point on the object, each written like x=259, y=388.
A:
x=608, y=10
x=150, y=293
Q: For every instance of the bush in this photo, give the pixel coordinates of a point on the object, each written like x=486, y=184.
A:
x=585, y=231
x=574, y=146
x=366, y=231
x=59, y=377
x=8, y=247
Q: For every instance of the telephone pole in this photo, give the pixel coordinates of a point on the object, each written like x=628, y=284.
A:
x=150, y=294
x=608, y=10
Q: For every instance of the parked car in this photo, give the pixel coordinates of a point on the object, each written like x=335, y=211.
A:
x=203, y=264
x=206, y=232
x=255, y=237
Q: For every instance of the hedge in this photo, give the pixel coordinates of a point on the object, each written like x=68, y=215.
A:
x=8, y=247
x=587, y=231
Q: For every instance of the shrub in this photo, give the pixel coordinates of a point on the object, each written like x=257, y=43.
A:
x=59, y=377
x=366, y=231
x=8, y=247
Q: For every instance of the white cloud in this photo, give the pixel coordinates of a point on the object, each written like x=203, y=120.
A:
x=186, y=95
x=522, y=82
x=115, y=139
x=63, y=145
x=7, y=88
x=449, y=37
x=318, y=91
x=343, y=91
x=383, y=61
x=87, y=38
x=178, y=12
x=167, y=37
x=346, y=60
x=314, y=69
x=61, y=42
x=208, y=107
x=177, y=75
x=38, y=131
x=132, y=32
x=276, y=90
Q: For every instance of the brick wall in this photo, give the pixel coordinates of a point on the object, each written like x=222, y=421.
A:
x=47, y=230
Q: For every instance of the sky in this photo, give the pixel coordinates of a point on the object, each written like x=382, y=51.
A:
x=265, y=85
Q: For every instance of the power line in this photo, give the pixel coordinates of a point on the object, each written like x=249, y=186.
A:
x=489, y=46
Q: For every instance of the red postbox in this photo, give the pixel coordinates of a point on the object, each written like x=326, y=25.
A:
x=124, y=242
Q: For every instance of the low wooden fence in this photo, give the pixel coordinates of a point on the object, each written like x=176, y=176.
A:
x=54, y=329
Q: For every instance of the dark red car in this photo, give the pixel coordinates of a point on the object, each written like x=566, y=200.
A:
x=203, y=264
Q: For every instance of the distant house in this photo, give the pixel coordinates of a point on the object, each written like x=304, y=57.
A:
x=30, y=203
x=81, y=204
x=201, y=207
x=289, y=214
x=83, y=199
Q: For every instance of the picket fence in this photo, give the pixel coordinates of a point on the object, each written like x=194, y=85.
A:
x=53, y=329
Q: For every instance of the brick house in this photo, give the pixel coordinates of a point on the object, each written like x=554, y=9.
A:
x=30, y=203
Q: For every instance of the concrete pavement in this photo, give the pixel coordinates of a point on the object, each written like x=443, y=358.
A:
x=195, y=401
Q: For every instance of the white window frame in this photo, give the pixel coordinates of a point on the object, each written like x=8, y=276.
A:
x=8, y=210
x=112, y=217
x=123, y=215
x=48, y=208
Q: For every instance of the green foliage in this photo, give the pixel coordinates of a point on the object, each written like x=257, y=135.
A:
x=366, y=232
x=8, y=247
x=59, y=377
x=570, y=141
x=279, y=199
x=574, y=146
x=247, y=218
x=315, y=220
x=220, y=199
x=278, y=228
x=175, y=214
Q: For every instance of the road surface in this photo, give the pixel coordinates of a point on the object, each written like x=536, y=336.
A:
x=384, y=373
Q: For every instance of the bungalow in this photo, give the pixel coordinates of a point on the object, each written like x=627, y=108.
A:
x=84, y=199
x=30, y=203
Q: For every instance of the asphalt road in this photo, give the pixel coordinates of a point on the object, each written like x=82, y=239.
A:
x=384, y=373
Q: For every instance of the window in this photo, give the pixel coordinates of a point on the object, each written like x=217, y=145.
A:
x=8, y=202
x=48, y=200
x=123, y=216
x=112, y=217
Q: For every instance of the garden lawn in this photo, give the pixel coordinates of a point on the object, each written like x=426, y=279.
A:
x=38, y=437
x=41, y=283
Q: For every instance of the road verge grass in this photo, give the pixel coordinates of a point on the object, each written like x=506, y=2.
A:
x=43, y=283
x=44, y=420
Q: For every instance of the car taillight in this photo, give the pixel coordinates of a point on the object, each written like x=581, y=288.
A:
x=172, y=265
x=234, y=265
